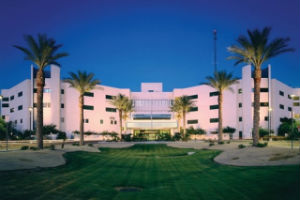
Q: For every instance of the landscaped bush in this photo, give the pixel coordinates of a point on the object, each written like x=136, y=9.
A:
x=126, y=137
x=229, y=130
x=177, y=136
x=241, y=146
x=221, y=142
x=263, y=132
x=24, y=147
x=90, y=145
x=61, y=135
x=164, y=137
x=52, y=147
x=75, y=144
x=33, y=148
x=262, y=144
x=211, y=144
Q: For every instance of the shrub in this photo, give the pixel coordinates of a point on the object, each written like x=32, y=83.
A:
x=177, y=136
x=211, y=144
x=164, y=136
x=221, y=142
x=61, y=135
x=262, y=144
x=48, y=129
x=126, y=137
x=241, y=146
x=52, y=147
x=75, y=144
x=90, y=145
x=263, y=132
x=33, y=148
x=24, y=147
x=228, y=142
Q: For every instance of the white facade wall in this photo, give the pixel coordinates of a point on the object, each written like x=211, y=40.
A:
x=61, y=105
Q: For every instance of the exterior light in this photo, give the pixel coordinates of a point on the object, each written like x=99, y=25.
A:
x=30, y=109
x=270, y=109
x=1, y=97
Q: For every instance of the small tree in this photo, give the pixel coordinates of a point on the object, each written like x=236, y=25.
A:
x=230, y=131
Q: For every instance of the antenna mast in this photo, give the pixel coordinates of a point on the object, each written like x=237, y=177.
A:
x=215, y=49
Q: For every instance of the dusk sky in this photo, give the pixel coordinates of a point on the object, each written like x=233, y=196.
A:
x=128, y=42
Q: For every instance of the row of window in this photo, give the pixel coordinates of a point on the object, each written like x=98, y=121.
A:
x=195, y=121
x=112, y=121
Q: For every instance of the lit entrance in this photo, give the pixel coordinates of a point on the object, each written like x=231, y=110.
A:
x=150, y=134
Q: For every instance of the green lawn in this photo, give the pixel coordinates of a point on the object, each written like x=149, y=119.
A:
x=161, y=172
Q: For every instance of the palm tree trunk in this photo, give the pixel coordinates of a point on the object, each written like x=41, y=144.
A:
x=81, y=118
x=220, y=125
x=120, y=117
x=256, y=117
x=184, y=123
x=39, y=105
x=179, y=125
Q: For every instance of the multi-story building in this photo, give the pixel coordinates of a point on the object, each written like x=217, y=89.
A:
x=152, y=113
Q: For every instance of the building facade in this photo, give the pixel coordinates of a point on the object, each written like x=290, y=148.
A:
x=152, y=113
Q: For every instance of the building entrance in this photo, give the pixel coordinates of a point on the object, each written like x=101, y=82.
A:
x=150, y=134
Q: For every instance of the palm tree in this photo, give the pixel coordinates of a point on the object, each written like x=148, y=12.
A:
x=42, y=52
x=221, y=81
x=128, y=108
x=83, y=82
x=176, y=109
x=181, y=106
x=120, y=102
x=255, y=50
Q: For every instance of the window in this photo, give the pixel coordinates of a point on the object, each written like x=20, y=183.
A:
x=193, y=121
x=101, y=121
x=296, y=104
x=240, y=91
x=3, y=117
x=240, y=119
x=211, y=94
x=115, y=121
x=214, y=120
x=240, y=105
x=87, y=107
x=281, y=106
x=20, y=107
x=290, y=109
x=264, y=104
x=264, y=89
x=193, y=109
x=5, y=99
x=86, y=120
x=109, y=97
x=111, y=121
x=5, y=105
x=12, y=110
x=296, y=98
x=47, y=90
x=12, y=97
x=281, y=93
x=150, y=90
x=16, y=121
x=266, y=118
x=111, y=110
x=21, y=121
x=62, y=120
x=213, y=107
x=193, y=96
x=62, y=91
x=62, y=105
x=88, y=94
x=20, y=94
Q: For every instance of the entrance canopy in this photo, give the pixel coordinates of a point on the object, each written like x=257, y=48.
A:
x=151, y=124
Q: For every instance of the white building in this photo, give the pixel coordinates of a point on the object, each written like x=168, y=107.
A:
x=152, y=106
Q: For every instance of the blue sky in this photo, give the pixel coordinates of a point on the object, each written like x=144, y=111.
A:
x=128, y=42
